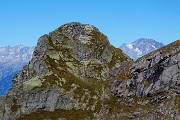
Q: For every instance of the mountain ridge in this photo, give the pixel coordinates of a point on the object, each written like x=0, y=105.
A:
x=12, y=60
x=140, y=47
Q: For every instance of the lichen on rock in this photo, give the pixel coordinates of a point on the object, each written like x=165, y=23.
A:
x=69, y=71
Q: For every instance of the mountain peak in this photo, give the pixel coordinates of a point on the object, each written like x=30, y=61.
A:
x=69, y=68
x=144, y=40
x=78, y=31
x=76, y=44
x=140, y=47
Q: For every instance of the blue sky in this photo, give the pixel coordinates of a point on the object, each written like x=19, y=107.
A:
x=24, y=21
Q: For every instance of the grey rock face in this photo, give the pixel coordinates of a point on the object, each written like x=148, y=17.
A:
x=140, y=47
x=155, y=73
x=68, y=71
x=36, y=66
x=151, y=86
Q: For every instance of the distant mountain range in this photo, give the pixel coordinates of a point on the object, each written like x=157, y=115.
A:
x=12, y=60
x=140, y=47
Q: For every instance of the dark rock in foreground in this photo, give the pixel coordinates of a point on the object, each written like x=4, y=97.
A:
x=153, y=73
x=154, y=80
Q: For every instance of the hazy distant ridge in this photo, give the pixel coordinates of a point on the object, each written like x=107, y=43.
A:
x=140, y=47
x=12, y=59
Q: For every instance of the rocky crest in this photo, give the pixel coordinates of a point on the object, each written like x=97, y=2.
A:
x=154, y=78
x=154, y=73
x=68, y=74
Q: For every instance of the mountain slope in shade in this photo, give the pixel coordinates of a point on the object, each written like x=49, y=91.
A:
x=140, y=47
x=12, y=60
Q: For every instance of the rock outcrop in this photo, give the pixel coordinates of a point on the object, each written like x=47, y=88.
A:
x=153, y=78
x=153, y=73
x=68, y=75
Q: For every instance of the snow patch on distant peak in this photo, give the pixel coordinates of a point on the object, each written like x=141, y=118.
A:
x=153, y=46
x=129, y=46
x=140, y=47
x=138, y=51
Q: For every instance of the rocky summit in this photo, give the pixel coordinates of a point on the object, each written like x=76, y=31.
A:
x=76, y=74
x=66, y=78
